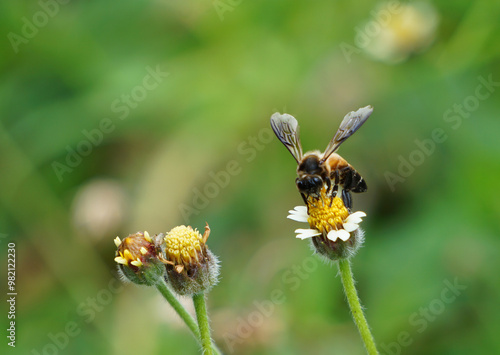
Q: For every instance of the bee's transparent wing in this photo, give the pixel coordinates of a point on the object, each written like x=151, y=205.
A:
x=286, y=129
x=351, y=123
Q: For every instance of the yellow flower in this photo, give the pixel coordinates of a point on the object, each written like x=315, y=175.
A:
x=185, y=247
x=191, y=267
x=333, y=221
x=333, y=231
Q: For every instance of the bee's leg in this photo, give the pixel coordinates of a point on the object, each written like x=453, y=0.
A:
x=328, y=189
x=335, y=190
x=337, y=182
x=346, y=197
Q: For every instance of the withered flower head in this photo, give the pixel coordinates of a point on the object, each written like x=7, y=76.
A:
x=137, y=258
x=191, y=266
x=335, y=233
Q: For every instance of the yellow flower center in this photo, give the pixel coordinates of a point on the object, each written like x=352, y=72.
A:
x=184, y=246
x=324, y=217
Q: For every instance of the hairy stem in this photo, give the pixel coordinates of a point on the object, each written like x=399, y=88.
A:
x=354, y=304
x=177, y=306
x=185, y=316
x=201, y=313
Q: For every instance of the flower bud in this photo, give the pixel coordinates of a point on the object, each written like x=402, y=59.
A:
x=137, y=258
x=191, y=266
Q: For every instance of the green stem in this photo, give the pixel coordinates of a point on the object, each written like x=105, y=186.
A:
x=181, y=311
x=201, y=313
x=177, y=306
x=354, y=304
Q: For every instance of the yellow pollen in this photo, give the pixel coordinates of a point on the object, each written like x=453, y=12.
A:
x=147, y=237
x=324, y=217
x=143, y=251
x=184, y=245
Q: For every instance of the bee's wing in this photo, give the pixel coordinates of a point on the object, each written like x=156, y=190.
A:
x=286, y=129
x=351, y=123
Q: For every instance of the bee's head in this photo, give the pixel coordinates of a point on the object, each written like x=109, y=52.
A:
x=311, y=175
x=309, y=184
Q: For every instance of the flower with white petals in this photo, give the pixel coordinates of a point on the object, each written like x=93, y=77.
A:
x=334, y=226
x=409, y=29
x=334, y=232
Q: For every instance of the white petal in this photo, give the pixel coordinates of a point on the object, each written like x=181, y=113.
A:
x=332, y=235
x=358, y=214
x=355, y=217
x=306, y=233
x=298, y=214
x=355, y=220
x=343, y=234
x=297, y=217
x=350, y=227
x=303, y=236
x=296, y=211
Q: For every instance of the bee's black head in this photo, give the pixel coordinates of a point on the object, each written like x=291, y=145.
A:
x=310, y=184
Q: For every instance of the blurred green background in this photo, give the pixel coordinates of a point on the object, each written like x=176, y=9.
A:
x=93, y=145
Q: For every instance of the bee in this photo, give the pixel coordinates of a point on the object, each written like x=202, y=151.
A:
x=316, y=170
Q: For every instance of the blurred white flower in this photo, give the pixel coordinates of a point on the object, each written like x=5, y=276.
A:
x=99, y=208
x=398, y=30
